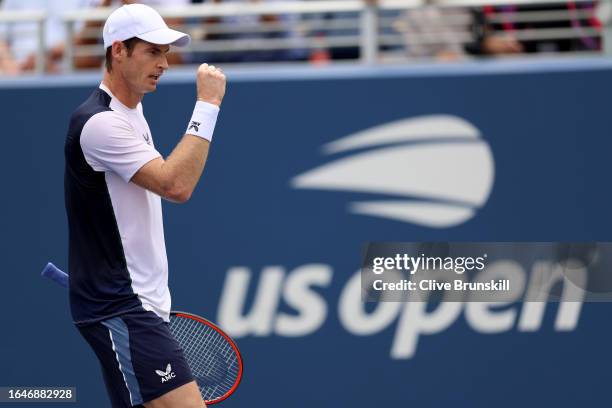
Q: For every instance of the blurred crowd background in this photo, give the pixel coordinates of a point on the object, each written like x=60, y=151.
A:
x=56, y=36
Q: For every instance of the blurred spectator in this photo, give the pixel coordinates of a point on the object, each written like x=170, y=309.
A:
x=341, y=52
x=430, y=33
x=19, y=41
x=252, y=27
x=8, y=65
x=447, y=34
x=435, y=32
x=500, y=37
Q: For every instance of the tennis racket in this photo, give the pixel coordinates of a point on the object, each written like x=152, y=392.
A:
x=212, y=355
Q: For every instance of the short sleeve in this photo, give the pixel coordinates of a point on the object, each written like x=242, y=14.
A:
x=109, y=143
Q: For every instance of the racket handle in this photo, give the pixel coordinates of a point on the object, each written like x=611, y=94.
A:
x=55, y=274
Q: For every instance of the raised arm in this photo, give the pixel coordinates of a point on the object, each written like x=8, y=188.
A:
x=175, y=177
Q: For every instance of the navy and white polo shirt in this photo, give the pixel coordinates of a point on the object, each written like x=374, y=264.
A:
x=117, y=253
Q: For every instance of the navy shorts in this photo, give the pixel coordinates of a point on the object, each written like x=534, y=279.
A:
x=140, y=358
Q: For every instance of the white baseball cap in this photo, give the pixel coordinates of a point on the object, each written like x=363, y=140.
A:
x=138, y=20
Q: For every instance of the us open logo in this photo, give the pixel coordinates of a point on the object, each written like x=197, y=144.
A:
x=434, y=171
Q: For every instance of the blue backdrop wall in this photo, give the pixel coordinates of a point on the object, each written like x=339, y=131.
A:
x=271, y=240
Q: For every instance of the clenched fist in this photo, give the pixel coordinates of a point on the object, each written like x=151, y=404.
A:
x=211, y=84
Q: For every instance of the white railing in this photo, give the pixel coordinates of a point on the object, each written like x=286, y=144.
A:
x=366, y=26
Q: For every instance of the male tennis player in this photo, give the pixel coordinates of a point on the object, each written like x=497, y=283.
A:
x=113, y=183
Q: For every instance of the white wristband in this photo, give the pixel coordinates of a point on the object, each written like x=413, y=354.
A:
x=203, y=120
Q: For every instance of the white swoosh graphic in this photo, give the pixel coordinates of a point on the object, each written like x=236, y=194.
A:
x=433, y=215
x=405, y=130
x=435, y=171
x=445, y=177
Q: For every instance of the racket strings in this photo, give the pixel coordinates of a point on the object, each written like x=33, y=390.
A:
x=203, y=354
x=208, y=370
x=212, y=359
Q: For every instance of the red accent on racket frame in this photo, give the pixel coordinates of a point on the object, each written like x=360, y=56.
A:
x=231, y=343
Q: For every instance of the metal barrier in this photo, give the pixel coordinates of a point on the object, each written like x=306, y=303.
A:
x=376, y=31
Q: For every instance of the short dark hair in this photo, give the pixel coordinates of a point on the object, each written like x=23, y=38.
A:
x=130, y=43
